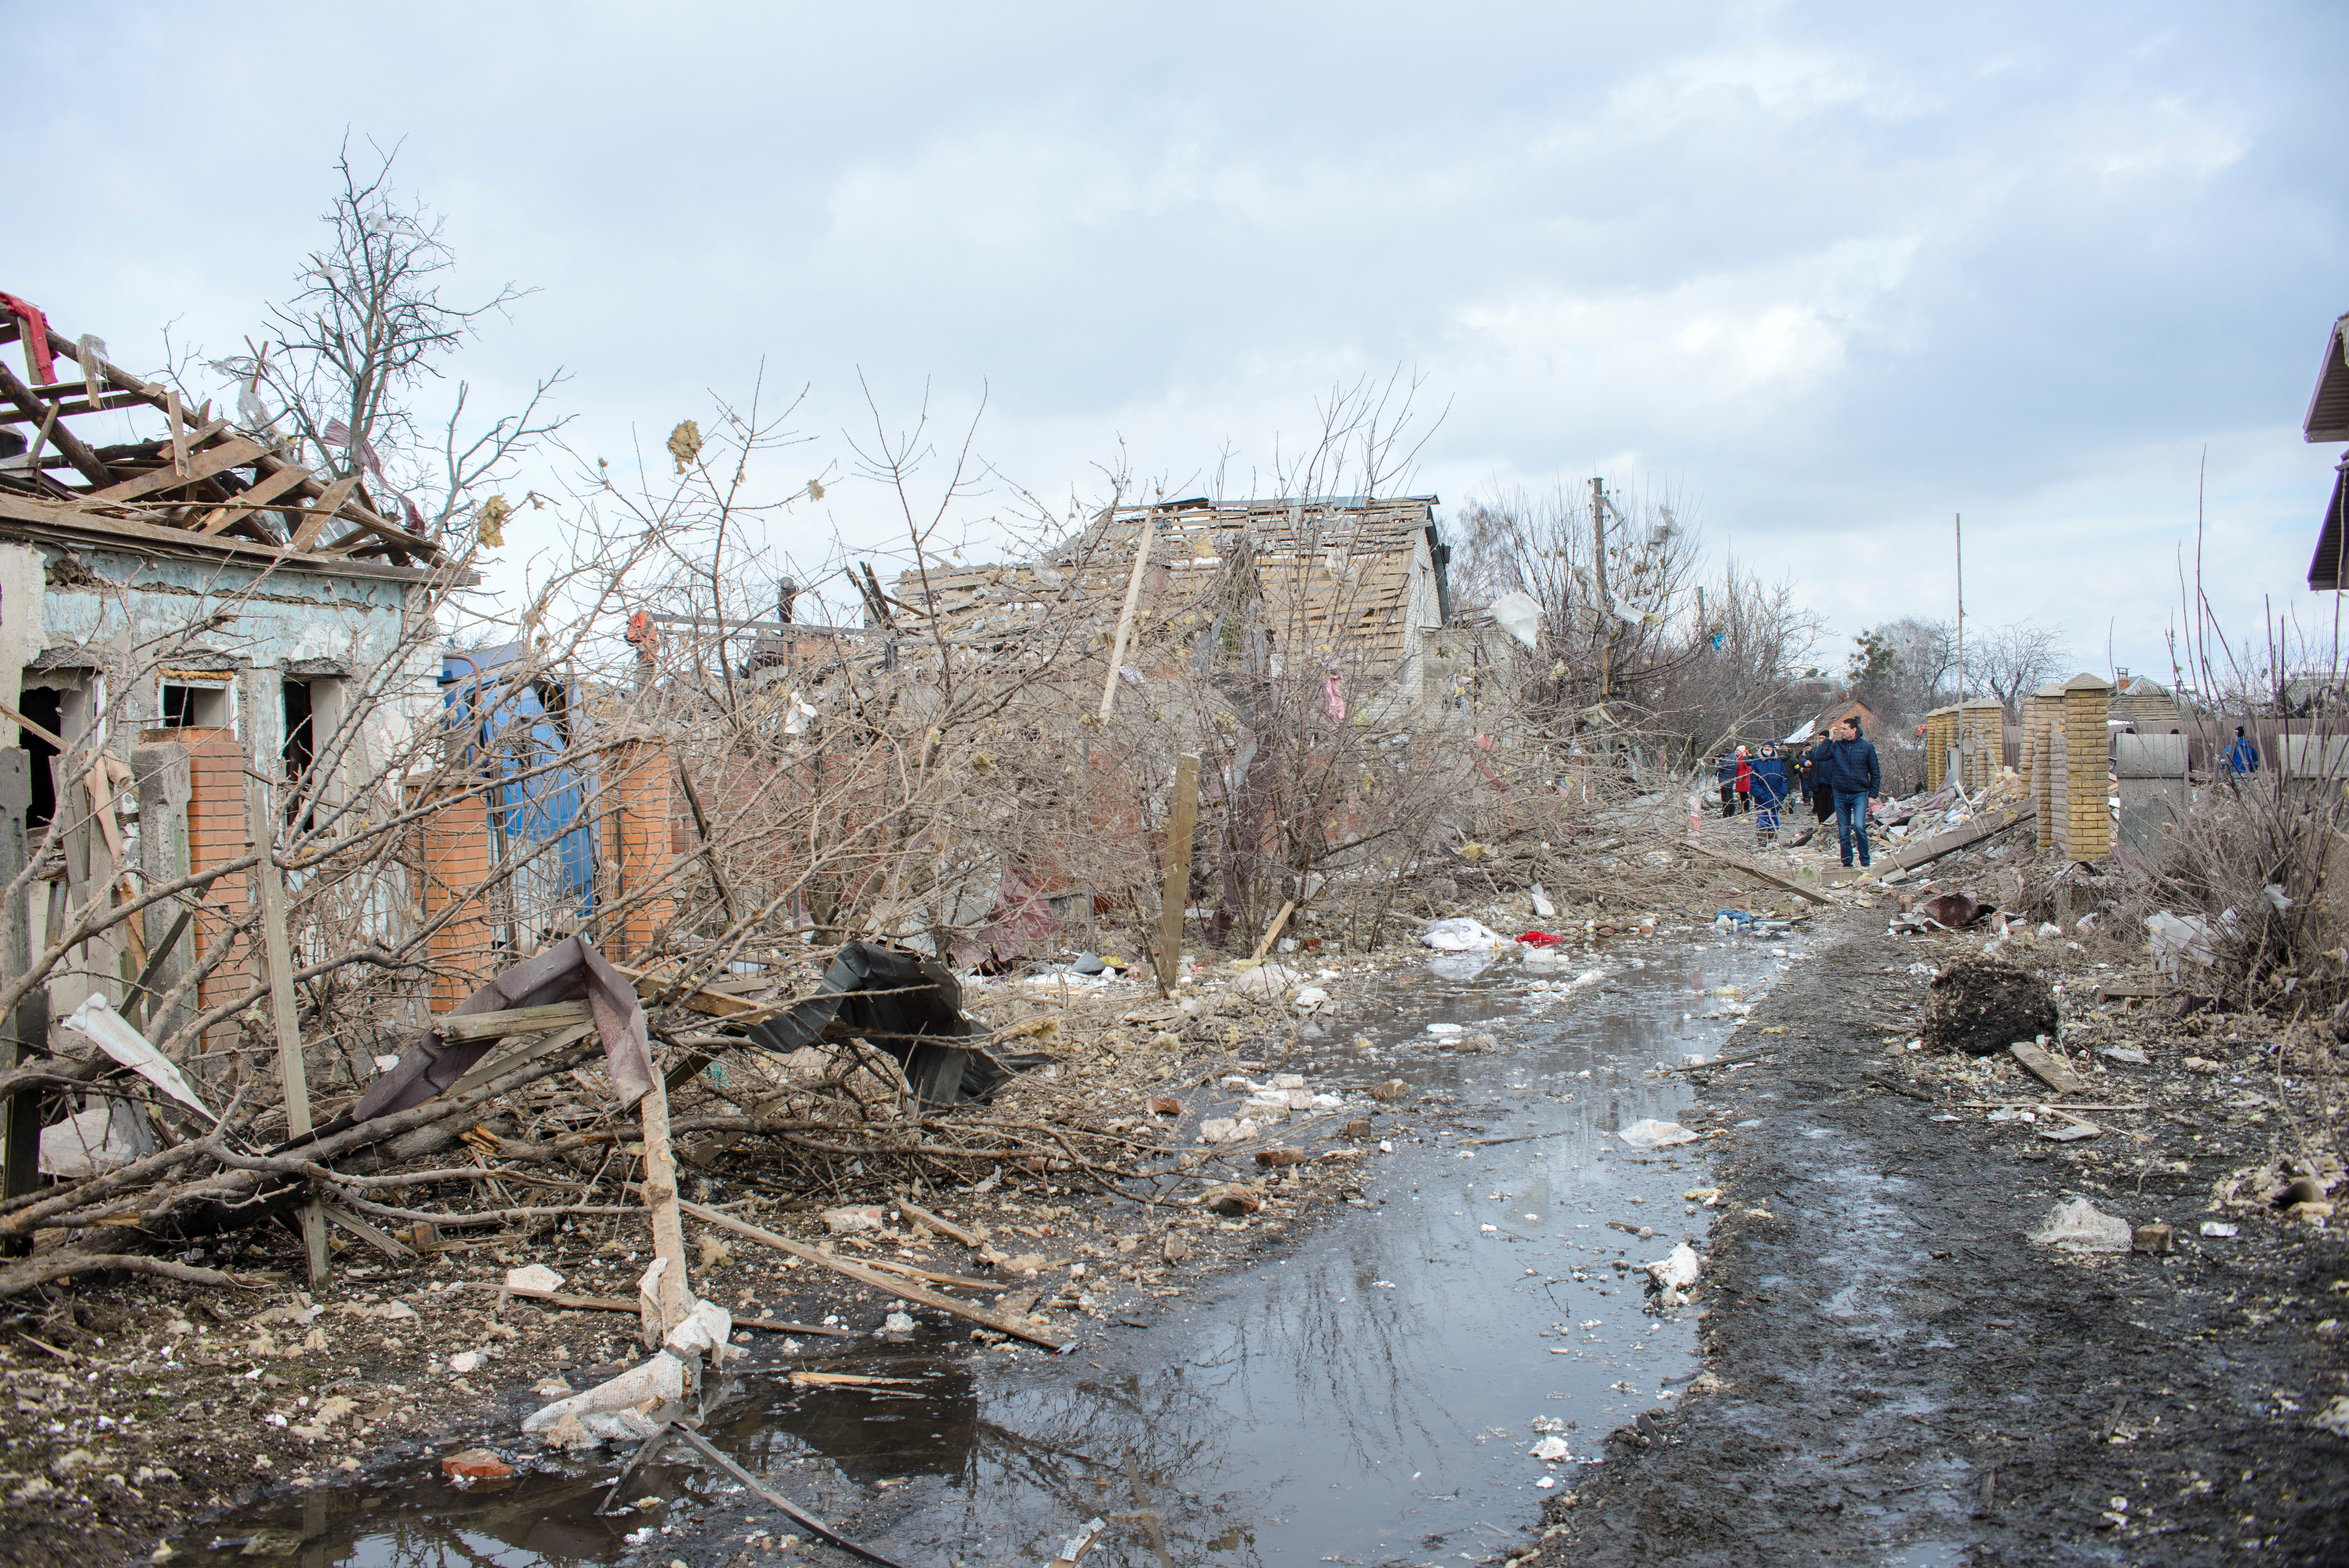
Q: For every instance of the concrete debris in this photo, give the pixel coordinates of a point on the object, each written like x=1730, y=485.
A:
x=1671, y=1275
x=2079, y=1226
x=532, y=1277
x=853, y=1218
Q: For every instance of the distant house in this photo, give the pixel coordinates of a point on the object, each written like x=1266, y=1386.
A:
x=1358, y=584
x=2142, y=701
x=2328, y=420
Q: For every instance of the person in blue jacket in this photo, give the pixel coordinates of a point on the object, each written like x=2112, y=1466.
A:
x=2242, y=757
x=1773, y=783
x=1847, y=764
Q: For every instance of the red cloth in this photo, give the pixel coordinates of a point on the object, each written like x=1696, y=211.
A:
x=1540, y=939
x=36, y=335
x=1744, y=776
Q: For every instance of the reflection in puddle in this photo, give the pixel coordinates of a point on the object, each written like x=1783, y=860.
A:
x=1371, y=1395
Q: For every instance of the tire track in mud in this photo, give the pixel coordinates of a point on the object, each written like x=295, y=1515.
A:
x=1895, y=1375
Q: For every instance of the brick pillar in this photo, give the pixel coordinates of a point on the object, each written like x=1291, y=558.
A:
x=639, y=836
x=217, y=831
x=456, y=867
x=1982, y=722
x=2039, y=720
x=2087, y=783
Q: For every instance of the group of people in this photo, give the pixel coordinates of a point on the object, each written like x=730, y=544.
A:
x=1839, y=776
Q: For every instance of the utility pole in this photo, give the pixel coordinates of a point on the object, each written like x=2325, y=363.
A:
x=1958, y=525
x=1598, y=567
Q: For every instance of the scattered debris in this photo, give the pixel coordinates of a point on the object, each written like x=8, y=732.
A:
x=2079, y=1226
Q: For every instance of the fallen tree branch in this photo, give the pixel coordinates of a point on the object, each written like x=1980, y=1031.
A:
x=19, y=1278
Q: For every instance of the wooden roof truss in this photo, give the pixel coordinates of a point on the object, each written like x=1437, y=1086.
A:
x=203, y=476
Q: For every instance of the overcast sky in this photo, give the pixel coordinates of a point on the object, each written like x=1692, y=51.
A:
x=1831, y=273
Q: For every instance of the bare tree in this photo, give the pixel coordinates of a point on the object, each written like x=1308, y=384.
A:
x=1903, y=668
x=2016, y=659
x=348, y=357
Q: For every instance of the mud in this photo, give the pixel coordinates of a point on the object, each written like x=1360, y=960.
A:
x=1359, y=1379
x=1904, y=1379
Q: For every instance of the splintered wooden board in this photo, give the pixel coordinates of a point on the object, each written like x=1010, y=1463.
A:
x=2047, y=1069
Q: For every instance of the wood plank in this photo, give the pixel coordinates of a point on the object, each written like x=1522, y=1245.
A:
x=2046, y=1068
x=1777, y=882
x=1272, y=932
x=321, y=512
x=673, y=1298
x=261, y=832
x=254, y=497
x=910, y=1272
x=377, y=1239
x=211, y=460
x=456, y=1027
x=66, y=517
x=1909, y=857
x=876, y=1279
x=946, y=1228
x=1177, y=895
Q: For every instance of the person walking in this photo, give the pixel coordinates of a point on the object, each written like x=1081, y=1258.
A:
x=1745, y=780
x=1728, y=775
x=1846, y=765
x=1771, y=784
x=2242, y=758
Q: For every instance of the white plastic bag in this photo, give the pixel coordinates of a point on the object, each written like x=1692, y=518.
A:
x=1649, y=1133
x=1459, y=936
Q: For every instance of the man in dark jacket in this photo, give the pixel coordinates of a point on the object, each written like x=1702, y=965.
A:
x=1729, y=783
x=1846, y=765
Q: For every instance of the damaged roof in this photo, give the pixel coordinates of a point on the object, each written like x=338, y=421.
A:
x=1335, y=573
x=203, y=483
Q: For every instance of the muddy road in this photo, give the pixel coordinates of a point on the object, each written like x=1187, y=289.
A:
x=1907, y=1380
x=1367, y=1385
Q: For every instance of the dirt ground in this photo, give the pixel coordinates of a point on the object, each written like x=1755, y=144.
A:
x=1892, y=1363
x=143, y=1408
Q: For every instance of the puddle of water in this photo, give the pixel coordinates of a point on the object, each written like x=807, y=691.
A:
x=1368, y=1395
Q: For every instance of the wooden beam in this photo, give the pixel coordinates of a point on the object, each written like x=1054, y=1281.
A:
x=1125, y=616
x=1910, y=856
x=321, y=512
x=456, y=1027
x=203, y=465
x=1795, y=888
x=875, y=1278
x=1272, y=932
x=76, y=450
x=279, y=954
x=254, y=497
x=944, y=1227
x=1176, y=896
x=672, y=1300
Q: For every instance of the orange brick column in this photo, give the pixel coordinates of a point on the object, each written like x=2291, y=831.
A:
x=456, y=872
x=217, y=831
x=639, y=834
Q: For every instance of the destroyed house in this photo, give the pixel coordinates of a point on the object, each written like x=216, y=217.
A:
x=1355, y=585
x=167, y=576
